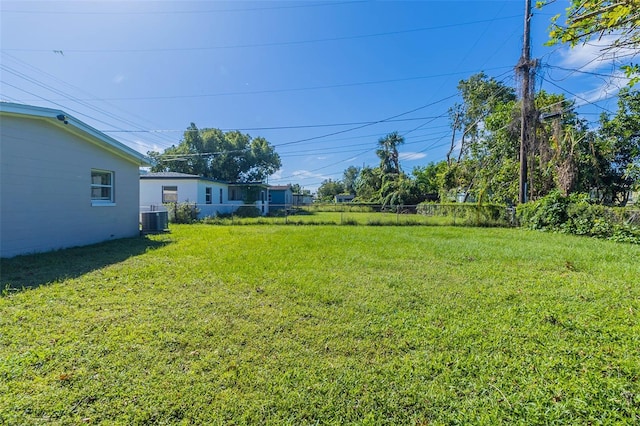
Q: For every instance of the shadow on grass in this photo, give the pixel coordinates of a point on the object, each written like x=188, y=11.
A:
x=34, y=270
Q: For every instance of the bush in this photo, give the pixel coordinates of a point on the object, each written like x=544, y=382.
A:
x=247, y=211
x=547, y=213
x=577, y=215
x=182, y=212
x=468, y=213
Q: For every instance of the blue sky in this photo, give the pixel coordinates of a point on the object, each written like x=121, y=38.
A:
x=322, y=81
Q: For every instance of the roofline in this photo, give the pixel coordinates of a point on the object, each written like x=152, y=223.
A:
x=146, y=176
x=249, y=184
x=82, y=129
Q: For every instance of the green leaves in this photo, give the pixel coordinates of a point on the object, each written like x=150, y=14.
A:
x=593, y=19
x=231, y=156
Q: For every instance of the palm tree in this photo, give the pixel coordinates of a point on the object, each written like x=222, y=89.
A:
x=388, y=153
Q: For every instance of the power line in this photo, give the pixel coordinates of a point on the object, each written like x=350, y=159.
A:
x=303, y=126
x=269, y=44
x=293, y=89
x=67, y=108
x=163, y=140
x=176, y=12
x=366, y=125
x=583, y=99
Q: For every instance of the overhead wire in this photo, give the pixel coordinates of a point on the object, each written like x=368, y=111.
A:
x=163, y=140
x=269, y=44
x=177, y=12
x=292, y=89
x=38, y=83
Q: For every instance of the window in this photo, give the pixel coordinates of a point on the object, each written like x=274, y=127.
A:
x=207, y=195
x=169, y=194
x=220, y=195
x=101, y=187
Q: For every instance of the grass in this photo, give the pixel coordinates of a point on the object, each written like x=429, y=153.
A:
x=324, y=325
x=343, y=218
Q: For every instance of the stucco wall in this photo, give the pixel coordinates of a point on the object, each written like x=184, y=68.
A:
x=45, y=189
x=189, y=190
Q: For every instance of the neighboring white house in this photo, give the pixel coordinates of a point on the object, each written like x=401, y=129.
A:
x=62, y=182
x=210, y=196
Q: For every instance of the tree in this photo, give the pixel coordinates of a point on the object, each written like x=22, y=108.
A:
x=329, y=189
x=429, y=178
x=483, y=149
x=586, y=20
x=368, y=184
x=388, y=153
x=399, y=191
x=349, y=177
x=231, y=156
x=621, y=137
x=481, y=96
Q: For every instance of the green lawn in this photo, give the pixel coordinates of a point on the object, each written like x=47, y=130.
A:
x=345, y=218
x=324, y=325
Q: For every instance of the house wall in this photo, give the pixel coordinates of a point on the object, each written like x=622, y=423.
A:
x=45, y=189
x=189, y=190
x=280, y=199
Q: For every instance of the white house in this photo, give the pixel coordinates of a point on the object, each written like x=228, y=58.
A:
x=210, y=196
x=62, y=182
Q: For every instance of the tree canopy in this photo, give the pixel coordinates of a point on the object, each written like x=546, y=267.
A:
x=586, y=20
x=227, y=156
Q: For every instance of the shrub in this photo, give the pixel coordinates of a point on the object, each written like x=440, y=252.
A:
x=468, y=213
x=577, y=215
x=182, y=212
x=247, y=211
x=547, y=213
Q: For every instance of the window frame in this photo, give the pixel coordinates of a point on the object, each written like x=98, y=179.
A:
x=208, y=195
x=103, y=201
x=166, y=188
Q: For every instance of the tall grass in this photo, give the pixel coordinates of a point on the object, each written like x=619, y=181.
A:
x=326, y=325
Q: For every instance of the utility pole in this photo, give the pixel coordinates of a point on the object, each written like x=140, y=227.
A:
x=524, y=69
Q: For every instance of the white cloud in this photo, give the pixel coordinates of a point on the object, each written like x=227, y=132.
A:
x=411, y=156
x=118, y=78
x=608, y=89
x=143, y=147
x=306, y=174
x=592, y=55
x=277, y=175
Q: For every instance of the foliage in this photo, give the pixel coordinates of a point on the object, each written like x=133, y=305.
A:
x=488, y=144
x=586, y=20
x=230, y=157
x=576, y=214
x=329, y=189
x=621, y=145
x=398, y=190
x=368, y=184
x=185, y=212
x=349, y=177
x=388, y=153
x=378, y=325
x=247, y=211
x=429, y=178
x=469, y=214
